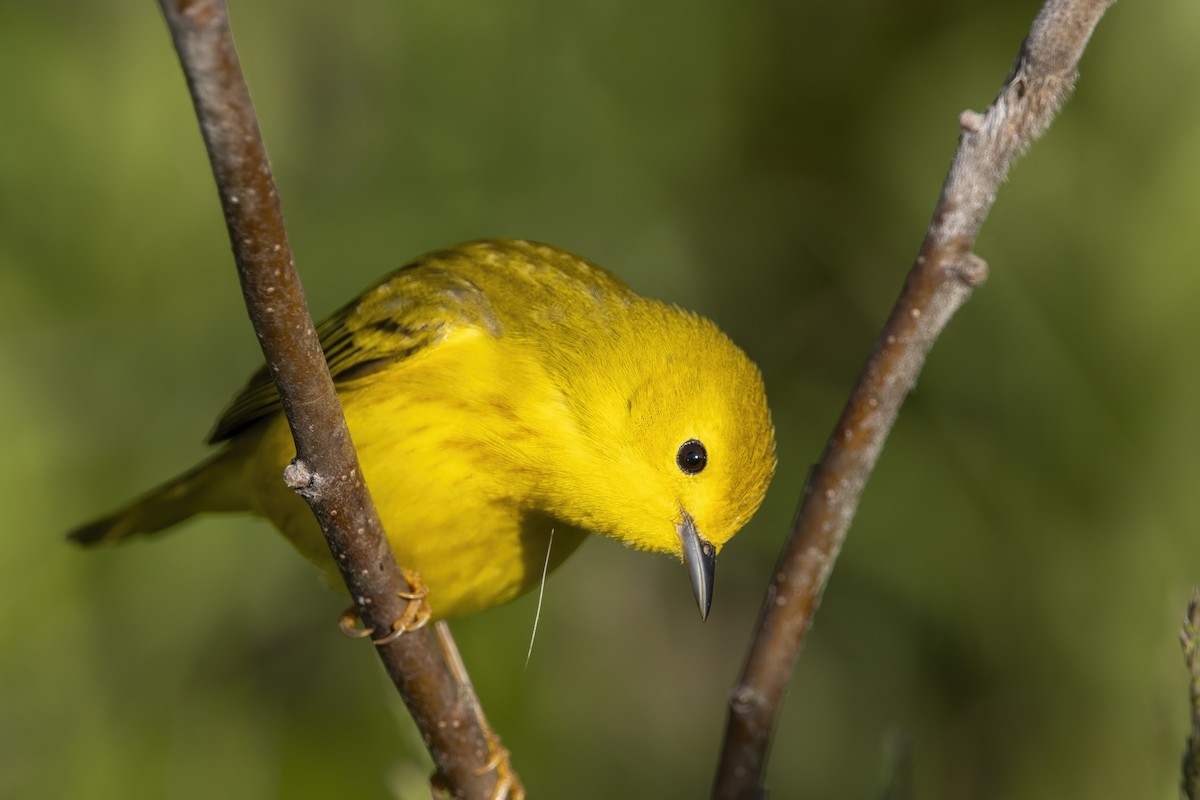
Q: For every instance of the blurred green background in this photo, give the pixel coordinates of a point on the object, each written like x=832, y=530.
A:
x=1008, y=603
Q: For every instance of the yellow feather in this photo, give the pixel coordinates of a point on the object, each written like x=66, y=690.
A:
x=495, y=391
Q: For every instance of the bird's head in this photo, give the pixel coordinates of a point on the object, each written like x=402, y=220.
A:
x=691, y=446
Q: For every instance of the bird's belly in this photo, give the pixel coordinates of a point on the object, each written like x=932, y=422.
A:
x=452, y=512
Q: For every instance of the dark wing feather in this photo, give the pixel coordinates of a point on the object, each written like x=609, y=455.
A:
x=413, y=308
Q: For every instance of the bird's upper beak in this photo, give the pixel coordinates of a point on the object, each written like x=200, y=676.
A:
x=700, y=558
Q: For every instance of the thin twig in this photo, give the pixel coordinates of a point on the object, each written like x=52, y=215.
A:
x=1189, y=637
x=326, y=466
x=941, y=280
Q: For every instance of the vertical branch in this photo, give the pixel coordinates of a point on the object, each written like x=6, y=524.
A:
x=1189, y=638
x=326, y=471
x=940, y=281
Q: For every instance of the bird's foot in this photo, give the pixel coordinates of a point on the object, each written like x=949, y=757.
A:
x=416, y=614
x=508, y=785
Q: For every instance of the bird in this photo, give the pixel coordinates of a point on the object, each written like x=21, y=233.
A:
x=502, y=394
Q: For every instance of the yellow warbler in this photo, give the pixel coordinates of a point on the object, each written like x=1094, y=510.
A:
x=497, y=391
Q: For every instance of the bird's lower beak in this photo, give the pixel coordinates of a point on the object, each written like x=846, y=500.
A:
x=700, y=558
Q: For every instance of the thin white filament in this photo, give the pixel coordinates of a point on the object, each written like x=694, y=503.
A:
x=541, y=593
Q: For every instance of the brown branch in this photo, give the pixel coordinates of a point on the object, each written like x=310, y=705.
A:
x=326, y=471
x=1189, y=638
x=940, y=281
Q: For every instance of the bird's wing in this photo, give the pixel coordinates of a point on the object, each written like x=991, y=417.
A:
x=412, y=309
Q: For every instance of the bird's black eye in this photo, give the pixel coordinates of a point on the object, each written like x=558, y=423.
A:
x=692, y=457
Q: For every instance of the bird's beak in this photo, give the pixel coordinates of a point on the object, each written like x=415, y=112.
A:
x=700, y=558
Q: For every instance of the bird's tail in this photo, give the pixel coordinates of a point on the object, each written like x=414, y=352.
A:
x=210, y=486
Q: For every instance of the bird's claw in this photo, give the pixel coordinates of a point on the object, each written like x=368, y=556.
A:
x=348, y=624
x=508, y=785
x=417, y=614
